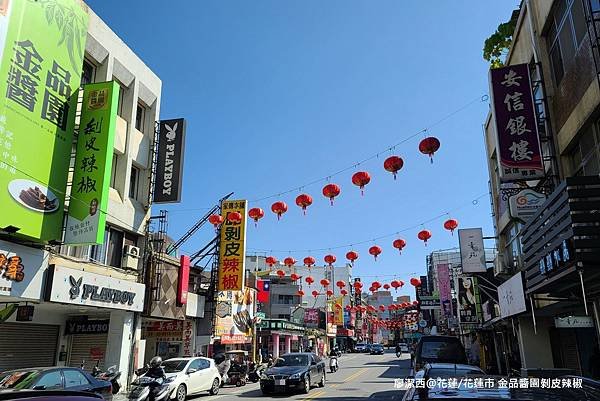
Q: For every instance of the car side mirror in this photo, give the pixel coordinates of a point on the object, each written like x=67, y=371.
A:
x=191, y=370
x=40, y=387
x=313, y=363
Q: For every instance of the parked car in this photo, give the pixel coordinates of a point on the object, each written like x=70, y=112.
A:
x=360, y=347
x=48, y=395
x=404, y=347
x=368, y=348
x=296, y=370
x=377, y=349
x=440, y=349
x=54, y=378
x=191, y=376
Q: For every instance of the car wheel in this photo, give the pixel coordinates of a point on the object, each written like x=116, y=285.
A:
x=214, y=390
x=322, y=382
x=180, y=393
x=306, y=387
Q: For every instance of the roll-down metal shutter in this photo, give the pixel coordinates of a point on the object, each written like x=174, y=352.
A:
x=84, y=347
x=24, y=345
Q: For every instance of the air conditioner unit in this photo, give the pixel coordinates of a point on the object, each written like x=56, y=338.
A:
x=499, y=266
x=131, y=256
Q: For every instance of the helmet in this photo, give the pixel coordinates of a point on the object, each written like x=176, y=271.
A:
x=155, y=362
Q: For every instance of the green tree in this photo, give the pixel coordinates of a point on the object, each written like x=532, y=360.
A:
x=496, y=46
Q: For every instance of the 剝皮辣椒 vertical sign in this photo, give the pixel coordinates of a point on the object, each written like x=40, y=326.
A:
x=518, y=143
x=232, y=254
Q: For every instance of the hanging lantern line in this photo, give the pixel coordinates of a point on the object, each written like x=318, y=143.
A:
x=473, y=202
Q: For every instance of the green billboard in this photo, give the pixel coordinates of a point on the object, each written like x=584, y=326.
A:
x=41, y=47
x=91, y=178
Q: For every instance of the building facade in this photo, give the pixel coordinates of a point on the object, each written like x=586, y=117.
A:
x=546, y=226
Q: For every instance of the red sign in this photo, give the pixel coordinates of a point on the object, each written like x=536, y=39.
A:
x=184, y=279
x=187, y=338
x=234, y=339
x=96, y=353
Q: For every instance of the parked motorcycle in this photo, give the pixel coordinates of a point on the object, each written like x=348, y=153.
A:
x=111, y=375
x=149, y=388
x=255, y=372
x=333, y=363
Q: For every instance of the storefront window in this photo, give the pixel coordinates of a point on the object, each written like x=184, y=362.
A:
x=512, y=250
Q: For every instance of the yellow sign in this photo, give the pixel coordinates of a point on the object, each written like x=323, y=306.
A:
x=338, y=313
x=232, y=255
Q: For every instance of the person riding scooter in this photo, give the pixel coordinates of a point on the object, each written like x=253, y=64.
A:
x=156, y=370
x=398, y=350
x=333, y=362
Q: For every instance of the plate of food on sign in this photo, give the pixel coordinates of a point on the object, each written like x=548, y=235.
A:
x=33, y=195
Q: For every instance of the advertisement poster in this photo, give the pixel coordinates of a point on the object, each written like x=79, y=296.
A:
x=468, y=300
x=40, y=72
x=311, y=317
x=472, y=252
x=445, y=289
x=518, y=143
x=511, y=296
x=338, y=313
x=89, y=194
x=232, y=255
x=169, y=162
x=235, y=314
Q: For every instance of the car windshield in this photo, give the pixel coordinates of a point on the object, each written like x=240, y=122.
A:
x=450, y=351
x=174, y=366
x=18, y=379
x=292, y=360
x=377, y=346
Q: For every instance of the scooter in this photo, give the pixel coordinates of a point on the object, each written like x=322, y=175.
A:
x=111, y=375
x=150, y=388
x=333, y=363
x=254, y=374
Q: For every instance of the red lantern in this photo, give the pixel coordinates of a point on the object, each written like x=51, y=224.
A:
x=352, y=256
x=415, y=303
x=270, y=260
x=289, y=261
x=344, y=292
x=325, y=282
x=451, y=225
x=279, y=208
x=301, y=293
x=256, y=214
x=215, y=219
x=358, y=286
x=341, y=284
x=294, y=277
x=395, y=284
x=331, y=191
x=361, y=179
x=338, y=306
x=234, y=217
x=386, y=286
x=372, y=289
x=376, y=285
x=348, y=308
x=280, y=273
x=371, y=308
x=393, y=164
x=315, y=293
x=304, y=200
x=330, y=259
x=415, y=282
x=309, y=261
x=309, y=280
x=382, y=308
x=399, y=244
x=375, y=250
x=329, y=293
x=429, y=146
x=390, y=307
x=424, y=235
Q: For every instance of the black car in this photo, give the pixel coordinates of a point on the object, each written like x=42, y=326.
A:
x=439, y=349
x=54, y=378
x=377, y=349
x=297, y=370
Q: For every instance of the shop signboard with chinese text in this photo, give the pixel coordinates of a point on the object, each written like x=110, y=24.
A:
x=513, y=109
x=89, y=194
x=338, y=313
x=511, y=296
x=22, y=271
x=42, y=45
x=311, y=317
x=235, y=313
x=232, y=254
x=445, y=289
x=169, y=162
x=468, y=299
x=556, y=259
x=525, y=204
x=472, y=252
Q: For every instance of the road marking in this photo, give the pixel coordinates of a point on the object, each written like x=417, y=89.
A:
x=313, y=395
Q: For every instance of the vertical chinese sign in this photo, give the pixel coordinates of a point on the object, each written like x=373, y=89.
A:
x=41, y=47
x=338, y=311
x=232, y=254
x=519, y=153
x=472, y=251
x=89, y=194
x=443, y=277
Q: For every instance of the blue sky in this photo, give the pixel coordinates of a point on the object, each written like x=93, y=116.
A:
x=280, y=93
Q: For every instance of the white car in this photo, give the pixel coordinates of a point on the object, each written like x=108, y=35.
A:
x=191, y=376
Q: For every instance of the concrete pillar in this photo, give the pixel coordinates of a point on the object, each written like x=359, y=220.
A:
x=535, y=348
x=118, y=347
x=275, y=340
x=288, y=344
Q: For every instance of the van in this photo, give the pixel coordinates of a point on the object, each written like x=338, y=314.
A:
x=439, y=349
